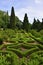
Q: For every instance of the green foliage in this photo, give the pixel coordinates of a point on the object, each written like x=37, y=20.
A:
x=13, y=22
x=26, y=23
x=12, y=19
x=8, y=58
x=41, y=25
x=21, y=46
x=36, y=25
x=37, y=36
x=1, y=41
x=34, y=60
x=18, y=23
x=41, y=32
x=4, y=19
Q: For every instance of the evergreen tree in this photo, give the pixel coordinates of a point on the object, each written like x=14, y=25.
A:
x=34, y=24
x=12, y=19
x=26, y=23
x=41, y=24
x=38, y=25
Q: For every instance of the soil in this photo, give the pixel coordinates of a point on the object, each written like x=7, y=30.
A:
x=22, y=49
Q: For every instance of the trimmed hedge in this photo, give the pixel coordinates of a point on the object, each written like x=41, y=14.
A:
x=1, y=41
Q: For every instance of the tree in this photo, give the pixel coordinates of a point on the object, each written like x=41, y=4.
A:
x=38, y=25
x=5, y=17
x=26, y=23
x=18, y=23
x=34, y=24
x=6, y=20
x=41, y=24
x=1, y=23
x=12, y=19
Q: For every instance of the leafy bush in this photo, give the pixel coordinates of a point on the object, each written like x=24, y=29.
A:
x=34, y=59
x=8, y=58
x=34, y=33
x=41, y=32
x=1, y=41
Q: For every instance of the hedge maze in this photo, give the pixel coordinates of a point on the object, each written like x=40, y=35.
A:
x=24, y=49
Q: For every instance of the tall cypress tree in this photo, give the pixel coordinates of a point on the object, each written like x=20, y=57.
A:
x=34, y=24
x=26, y=23
x=12, y=19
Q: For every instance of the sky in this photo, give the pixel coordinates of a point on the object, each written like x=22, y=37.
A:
x=33, y=8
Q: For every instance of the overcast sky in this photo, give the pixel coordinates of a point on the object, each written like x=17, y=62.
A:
x=34, y=8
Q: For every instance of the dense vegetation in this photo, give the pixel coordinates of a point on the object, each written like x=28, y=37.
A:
x=13, y=22
x=21, y=43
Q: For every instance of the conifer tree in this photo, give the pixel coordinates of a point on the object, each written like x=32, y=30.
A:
x=12, y=19
x=34, y=24
x=26, y=23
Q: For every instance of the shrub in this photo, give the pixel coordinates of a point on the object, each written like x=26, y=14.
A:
x=8, y=58
x=34, y=33
x=1, y=41
x=18, y=52
x=28, y=46
x=34, y=59
x=41, y=32
x=28, y=52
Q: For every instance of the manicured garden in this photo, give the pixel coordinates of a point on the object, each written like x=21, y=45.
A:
x=18, y=47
